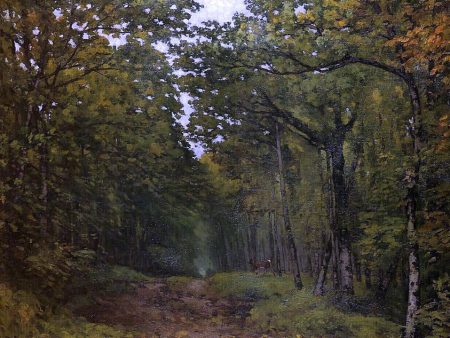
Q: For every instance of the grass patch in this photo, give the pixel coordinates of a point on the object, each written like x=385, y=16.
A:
x=279, y=307
x=123, y=273
x=67, y=326
x=107, y=279
x=249, y=285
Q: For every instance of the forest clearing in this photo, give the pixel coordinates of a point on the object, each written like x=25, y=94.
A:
x=240, y=168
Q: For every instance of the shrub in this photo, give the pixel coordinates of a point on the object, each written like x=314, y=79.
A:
x=279, y=307
x=64, y=325
x=18, y=313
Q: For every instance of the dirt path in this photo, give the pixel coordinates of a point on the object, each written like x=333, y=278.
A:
x=189, y=310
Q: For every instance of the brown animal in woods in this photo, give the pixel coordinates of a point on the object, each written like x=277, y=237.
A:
x=261, y=266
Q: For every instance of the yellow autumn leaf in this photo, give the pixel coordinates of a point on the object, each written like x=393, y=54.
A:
x=341, y=23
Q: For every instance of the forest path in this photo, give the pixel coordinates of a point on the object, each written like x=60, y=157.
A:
x=160, y=309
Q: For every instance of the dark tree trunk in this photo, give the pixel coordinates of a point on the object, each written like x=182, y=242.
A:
x=43, y=197
x=319, y=288
x=287, y=222
x=357, y=264
x=368, y=277
x=336, y=275
x=276, y=254
x=336, y=148
x=385, y=281
x=309, y=265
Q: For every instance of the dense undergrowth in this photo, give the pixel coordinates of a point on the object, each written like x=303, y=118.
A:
x=279, y=307
x=23, y=314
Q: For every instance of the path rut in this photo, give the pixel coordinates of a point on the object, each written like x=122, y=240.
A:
x=157, y=310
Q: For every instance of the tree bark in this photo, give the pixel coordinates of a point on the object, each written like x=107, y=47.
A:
x=336, y=148
x=43, y=197
x=319, y=288
x=336, y=274
x=368, y=277
x=385, y=281
x=412, y=197
x=276, y=261
x=287, y=222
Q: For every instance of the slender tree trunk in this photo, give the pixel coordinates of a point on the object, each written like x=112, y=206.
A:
x=246, y=249
x=43, y=197
x=253, y=242
x=222, y=253
x=287, y=222
x=368, y=277
x=276, y=246
x=277, y=260
x=317, y=264
x=271, y=241
x=331, y=205
x=385, y=281
x=309, y=265
x=249, y=247
x=412, y=181
x=319, y=288
x=357, y=264
x=336, y=274
x=413, y=265
x=228, y=252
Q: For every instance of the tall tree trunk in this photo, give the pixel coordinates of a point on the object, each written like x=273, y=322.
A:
x=319, y=288
x=287, y=222
x=357, y=264
x=412, y=197
x=336, y=148
x=276, y=245
x=336, y=273
x=368, y=277
x=309, y=267
x=331, y=205
x=253, y=240
x=222, y=252
x=43, y=197
x=385, y=281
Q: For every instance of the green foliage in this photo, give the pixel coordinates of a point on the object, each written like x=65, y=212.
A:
x=19, y=311
x=434, y=315
x=242, y=285
x=89, y=142
x=52, y=268
x=310, y=317
x=280, y=308
x=67, y=326
x=100, y=279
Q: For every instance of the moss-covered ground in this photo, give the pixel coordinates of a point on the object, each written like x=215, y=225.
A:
x=279, y=307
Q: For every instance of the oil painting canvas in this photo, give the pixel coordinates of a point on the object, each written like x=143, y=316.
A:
x=224, y=168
